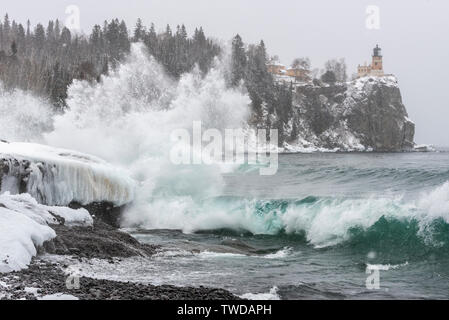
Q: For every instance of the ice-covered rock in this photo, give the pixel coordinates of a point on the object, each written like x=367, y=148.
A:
x=59, y=177
x=24, y=226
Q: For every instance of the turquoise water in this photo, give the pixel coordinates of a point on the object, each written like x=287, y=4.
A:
x=311, y=230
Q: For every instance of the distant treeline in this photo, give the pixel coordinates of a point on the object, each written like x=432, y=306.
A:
x=45, y=60
x=271, y=101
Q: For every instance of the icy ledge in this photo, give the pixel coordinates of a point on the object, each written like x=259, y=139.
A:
x=58, y=177
x=24, y=226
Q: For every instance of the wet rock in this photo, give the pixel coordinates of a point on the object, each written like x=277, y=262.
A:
x=50, y=279
x=99, y=241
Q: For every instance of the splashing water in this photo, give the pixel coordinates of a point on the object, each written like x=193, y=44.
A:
x=128, y=117
x=23, y=117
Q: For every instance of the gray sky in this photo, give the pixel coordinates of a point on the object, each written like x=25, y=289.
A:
x=413, y=35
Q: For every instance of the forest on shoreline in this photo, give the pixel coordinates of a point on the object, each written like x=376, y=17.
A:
x=46, y=60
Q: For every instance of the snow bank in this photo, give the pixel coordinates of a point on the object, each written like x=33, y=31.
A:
x=19, y=237
x=42, y=214
x=58, y=176
x=24, y=226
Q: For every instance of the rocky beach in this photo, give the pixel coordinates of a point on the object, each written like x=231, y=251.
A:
x=47, y=279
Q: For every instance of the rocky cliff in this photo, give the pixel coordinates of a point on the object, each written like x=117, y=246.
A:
x=366, y=114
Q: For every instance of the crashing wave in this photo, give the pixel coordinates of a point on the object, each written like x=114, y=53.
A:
x=324, y=222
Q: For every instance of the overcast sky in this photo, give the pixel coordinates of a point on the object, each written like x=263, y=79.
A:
x=413, y=35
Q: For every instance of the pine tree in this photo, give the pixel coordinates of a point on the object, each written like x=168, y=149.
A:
x=329, y=77
x=13, y=48
x=50, y=31
x=46, y=60
x=6, y=25
x=138, y=31
x=66, y=36
x=28, y=34
x=57, y=30
x=238, y=61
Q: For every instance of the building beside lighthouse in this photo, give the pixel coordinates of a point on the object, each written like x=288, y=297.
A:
x=373, y=69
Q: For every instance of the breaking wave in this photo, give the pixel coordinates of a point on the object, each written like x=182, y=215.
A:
x=320, y=221
x=128, y=117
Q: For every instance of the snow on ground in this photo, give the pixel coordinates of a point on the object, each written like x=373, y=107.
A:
x=24, y=226
x=19, y=237
x=388, y=80
x=27, y=205
x=59, y=176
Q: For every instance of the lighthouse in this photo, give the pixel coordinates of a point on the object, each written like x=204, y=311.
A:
x=375, y=68
x=376, y=65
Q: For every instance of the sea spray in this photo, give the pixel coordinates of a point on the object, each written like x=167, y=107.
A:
x=23, y=117
x=128, y=117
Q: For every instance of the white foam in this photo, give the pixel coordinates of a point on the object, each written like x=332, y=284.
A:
x=283, y=253
x=271, y=295
x=211, y=255
x=386, y=267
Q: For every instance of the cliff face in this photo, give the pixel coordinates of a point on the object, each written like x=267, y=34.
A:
x=365, y=114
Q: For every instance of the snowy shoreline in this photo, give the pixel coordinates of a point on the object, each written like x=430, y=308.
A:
x=66, y=220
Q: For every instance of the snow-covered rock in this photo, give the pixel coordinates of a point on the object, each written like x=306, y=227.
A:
x=58, y=177
x=19, y=237
x=42, y=214
x=24, y=226
x=366, y=114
